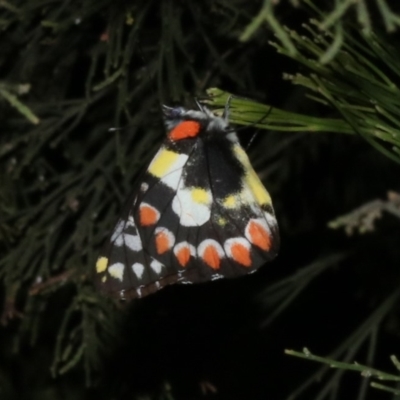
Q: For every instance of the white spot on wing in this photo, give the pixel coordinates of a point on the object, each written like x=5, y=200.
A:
x=133, y=242
x=130, y=222
x=190, y=213
x=117, y=271
x=119, y=240
x=172, y=179
x=138, y=270
x=156, y=266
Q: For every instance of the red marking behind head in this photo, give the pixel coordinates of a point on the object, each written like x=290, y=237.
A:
x=259, y=235
x=241, y=254
x=185, y=130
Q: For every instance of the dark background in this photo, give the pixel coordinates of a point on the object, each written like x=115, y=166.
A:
x=230, y=334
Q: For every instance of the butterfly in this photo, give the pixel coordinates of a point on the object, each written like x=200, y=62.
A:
x=199, y=212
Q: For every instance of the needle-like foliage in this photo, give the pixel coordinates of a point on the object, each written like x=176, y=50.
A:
x=81, y=88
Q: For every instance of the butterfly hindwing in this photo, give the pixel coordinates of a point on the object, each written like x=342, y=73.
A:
x=200, y=213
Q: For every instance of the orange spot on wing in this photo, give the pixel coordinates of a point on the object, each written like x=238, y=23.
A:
x=259, y=236
x=163, y=242
x=241, y=254
x=185, y=130
x=211, y=257
x=148, y=216
x=183, y=256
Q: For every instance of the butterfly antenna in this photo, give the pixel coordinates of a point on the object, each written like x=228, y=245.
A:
x=256, y=123
x=247, y=126
x=251, y=140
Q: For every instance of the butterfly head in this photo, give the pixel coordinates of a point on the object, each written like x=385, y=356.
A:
x=182, y=123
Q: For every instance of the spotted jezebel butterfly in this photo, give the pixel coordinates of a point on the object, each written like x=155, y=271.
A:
x=199, y=213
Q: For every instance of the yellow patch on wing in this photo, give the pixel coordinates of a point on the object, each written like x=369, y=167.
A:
x=230, y=201
x=201, y=196
x=251, y=179
x=162, y=162
x=101, y=264
x=221, y=221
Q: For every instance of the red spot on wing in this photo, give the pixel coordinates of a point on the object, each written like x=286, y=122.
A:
x=148, y=215
x=211, y=257
x=241, y=254
x=183, y=256
x=259, y=236
x=185, y=130
x=163, y=242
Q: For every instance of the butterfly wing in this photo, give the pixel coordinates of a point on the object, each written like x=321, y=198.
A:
x=240, y=232
x=201, y=213
x=243, y=222
x=133, y=263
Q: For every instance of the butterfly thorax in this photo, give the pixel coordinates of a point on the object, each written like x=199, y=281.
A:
x=185, y=124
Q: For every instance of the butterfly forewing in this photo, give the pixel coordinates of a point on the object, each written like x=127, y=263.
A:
x=200, y=213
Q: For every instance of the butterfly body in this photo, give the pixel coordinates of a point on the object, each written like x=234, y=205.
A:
x=199, y=214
